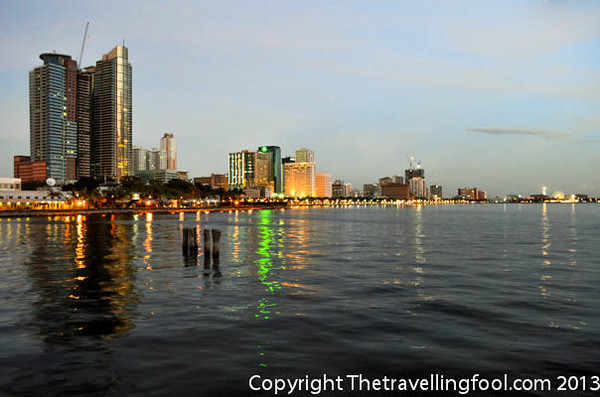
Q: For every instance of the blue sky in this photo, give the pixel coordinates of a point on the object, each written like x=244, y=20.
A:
x=503, y=95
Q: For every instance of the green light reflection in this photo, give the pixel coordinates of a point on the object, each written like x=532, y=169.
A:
x=264, y=262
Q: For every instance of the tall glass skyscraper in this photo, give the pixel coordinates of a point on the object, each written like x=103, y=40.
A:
x=53, y=116
x=275, y=169
x=112, y=150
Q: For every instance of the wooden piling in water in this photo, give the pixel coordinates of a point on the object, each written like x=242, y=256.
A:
x=189, y=242
x=206, y=243
x=216, y=235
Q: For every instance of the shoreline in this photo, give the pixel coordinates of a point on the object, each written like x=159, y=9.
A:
x=114, y=211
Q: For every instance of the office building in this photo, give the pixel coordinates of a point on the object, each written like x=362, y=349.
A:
x=435, y=192
x=305, y=156
x=28, y=170
x=84, y=126
x=157, y=160
x=140, y=159
x=276, y=174
x=112, y=116
x=168, y=144
x=468, y=193
x=337, y=189
x=263, y=175
x=323, y=183
x=371, y=190
x=242, y=169
x=300, y=179
x=53, y=117
x=214, y=181
x=415, y=179
x=396, y=191
x=385, y=180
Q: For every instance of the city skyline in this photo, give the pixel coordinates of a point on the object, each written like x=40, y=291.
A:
x=498, y=96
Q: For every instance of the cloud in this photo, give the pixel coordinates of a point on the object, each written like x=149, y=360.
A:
x=521, y=131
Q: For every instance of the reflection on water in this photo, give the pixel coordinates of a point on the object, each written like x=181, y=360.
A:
x=266, y=305
x=546, y=276
x=111, y=305
x=91, y=299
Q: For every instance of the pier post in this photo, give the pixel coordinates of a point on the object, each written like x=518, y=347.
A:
x=189, y=242
x=206, y=244
x=216, y=235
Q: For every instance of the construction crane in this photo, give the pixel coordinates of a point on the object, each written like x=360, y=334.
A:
x=87, y=25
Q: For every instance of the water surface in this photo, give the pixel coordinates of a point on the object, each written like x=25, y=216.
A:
x=103, y=305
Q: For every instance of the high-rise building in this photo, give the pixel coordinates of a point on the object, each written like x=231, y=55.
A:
x=468, y=193
x=435, y=192
x=323, y=185
x=140, y=159
x=53, y=116
x=168, y=144
x=305, y=156
x=242, y=168
x=338, y=189
x=300, y=179
x=371, y=190
x=302, y=174
x=84, y=114
x=415, y=179
x=263, y=175
x=275, y=169
x=112, y=150
x=157, y=160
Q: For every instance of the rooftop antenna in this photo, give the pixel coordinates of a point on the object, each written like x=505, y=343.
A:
x=87, y=25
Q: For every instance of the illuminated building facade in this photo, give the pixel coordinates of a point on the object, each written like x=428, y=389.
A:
x=415, y=179
x=300, y=180
x=242, y=165
x=263, y=175
x=276, y=174
x=112, y=151
x=168, y=144
x=323, y=183
x=435, y=192
x=53, y=116
x=471, y=193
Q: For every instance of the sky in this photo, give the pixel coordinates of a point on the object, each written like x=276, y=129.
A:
x=503, y=95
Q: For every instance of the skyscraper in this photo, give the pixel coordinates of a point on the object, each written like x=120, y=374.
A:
x=53, y=116
x=300, y=179
x=242, y=168
x=84, y=114
x=323, y=185
x=415, y=179
x=275, y=168
x=305, y=156
x=168, y=144
x=112, y=154
x=140, y=159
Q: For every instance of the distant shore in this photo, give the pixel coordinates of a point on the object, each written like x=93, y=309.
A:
x=111, y=211
x=241, y=207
